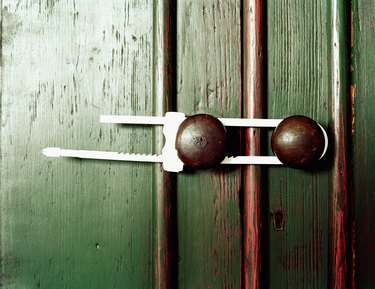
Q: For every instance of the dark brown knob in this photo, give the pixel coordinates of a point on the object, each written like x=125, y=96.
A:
x=298, y=141
x=201, y=141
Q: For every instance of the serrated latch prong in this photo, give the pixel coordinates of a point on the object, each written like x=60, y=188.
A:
x=168, y=158
x=171, y=122
x=101, y=155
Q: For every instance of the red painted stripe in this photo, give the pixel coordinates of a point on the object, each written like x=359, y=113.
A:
x=253, y=56
x=339, y=189
x=163, y=181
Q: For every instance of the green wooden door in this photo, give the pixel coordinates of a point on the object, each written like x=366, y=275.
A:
x=68, y=223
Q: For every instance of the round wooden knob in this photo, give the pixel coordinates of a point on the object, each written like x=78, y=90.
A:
x=201, y=141
x=298, y=141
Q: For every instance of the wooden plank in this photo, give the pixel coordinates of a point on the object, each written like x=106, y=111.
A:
x=299, y=80
x=362, y=93
x=253, y=95
x=75, y=223
x=209, y=81
x=164, y=184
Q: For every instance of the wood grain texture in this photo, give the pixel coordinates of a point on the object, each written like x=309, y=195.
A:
x=253, y=106
x=299, y=78
x=71, y=223
x=362, y=92
x=209, y=81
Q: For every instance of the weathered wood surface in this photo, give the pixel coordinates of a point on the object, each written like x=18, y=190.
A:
x=300, y=81
x=94, y=224
x=70, y=223
x=363, y=98
x=209, y=80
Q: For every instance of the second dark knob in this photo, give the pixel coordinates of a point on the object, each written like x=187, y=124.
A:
x=298, y=141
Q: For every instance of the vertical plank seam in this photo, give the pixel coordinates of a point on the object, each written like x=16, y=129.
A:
x=351, y=213
x=253, y=58
x=339, y=190
x=163, y=181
